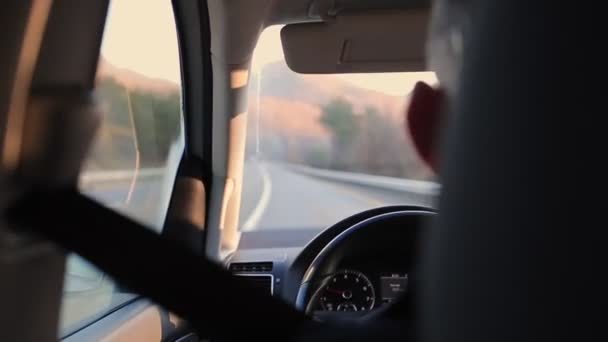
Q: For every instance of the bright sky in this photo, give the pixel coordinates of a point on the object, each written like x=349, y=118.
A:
x=145, y=41
x=140, y=35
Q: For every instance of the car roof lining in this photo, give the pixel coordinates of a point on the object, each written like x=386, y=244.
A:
x=283, y=12
x=236, y=25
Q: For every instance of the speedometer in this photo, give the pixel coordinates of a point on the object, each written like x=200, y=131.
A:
x=346, y=290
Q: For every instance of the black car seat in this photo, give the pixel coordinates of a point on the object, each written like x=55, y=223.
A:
x=510, y=252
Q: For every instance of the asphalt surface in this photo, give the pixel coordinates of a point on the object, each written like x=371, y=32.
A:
x=143, y=202
x=276, y=196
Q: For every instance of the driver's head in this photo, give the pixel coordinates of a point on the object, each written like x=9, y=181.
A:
x=444, y=50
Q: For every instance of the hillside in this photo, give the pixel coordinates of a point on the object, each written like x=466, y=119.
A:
x=292, y=128
x=291, y=123
x=291, y=103
x=303, y=121
x=152, y=104
x=134, y=80
x=280, y=82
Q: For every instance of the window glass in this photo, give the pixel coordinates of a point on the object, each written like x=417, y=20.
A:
x=323, y=147
x=133, y=161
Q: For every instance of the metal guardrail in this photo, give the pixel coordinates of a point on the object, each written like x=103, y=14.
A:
x=380, y=182
x=119, y=175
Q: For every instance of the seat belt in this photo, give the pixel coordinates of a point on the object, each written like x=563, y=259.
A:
x=196, y=289
x=215, y=303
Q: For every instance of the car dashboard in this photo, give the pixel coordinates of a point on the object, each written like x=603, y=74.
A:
x=357, y=285
x=375, y=276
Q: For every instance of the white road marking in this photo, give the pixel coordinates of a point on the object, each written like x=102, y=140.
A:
x=253, y=219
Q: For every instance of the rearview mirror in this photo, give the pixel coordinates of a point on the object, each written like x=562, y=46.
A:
x=378, y=41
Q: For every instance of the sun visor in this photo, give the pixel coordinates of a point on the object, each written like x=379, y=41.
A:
x=378, y=41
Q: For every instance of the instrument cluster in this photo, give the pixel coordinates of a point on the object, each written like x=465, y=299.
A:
x=351, y=290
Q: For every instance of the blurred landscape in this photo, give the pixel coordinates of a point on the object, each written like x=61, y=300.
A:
x=138, y=112
x=324, y=121
x=321, y=121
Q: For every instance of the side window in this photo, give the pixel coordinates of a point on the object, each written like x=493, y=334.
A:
x=133, y=161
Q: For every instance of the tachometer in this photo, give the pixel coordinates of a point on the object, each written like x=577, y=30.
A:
x=346, y=290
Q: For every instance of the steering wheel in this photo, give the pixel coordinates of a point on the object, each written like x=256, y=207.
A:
x=394, y=231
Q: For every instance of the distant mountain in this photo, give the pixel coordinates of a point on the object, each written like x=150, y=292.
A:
x=134, y=80
x=280, y=82
x=291, y=118
x=291, y=102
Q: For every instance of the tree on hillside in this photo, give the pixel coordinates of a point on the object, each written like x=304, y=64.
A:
x=383, y=148
x=157, y=120
x=381, y=145
x=339, y=118
x=157, y=123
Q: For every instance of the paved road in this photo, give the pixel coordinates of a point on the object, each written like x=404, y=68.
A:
x=276, y=196
x=145, y=203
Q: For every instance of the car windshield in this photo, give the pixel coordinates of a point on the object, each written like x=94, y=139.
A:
x=323, y=147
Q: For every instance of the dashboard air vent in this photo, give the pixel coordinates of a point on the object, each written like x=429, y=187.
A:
x=251, y=267
x=262, y=281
